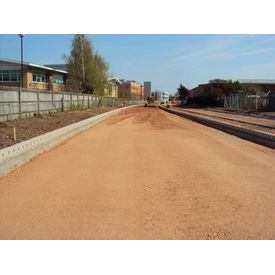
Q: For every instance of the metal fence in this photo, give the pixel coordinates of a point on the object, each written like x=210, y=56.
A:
x=260, y=101
x=29, y=103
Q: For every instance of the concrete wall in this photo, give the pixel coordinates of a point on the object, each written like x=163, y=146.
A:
x=35, y=102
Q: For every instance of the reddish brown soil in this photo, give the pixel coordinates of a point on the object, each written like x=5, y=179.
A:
x=143, y=174
x=31, y=127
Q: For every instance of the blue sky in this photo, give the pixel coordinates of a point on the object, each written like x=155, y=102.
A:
x=166, y=60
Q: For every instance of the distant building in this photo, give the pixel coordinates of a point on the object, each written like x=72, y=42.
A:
x=112, y=87
x=36, y=77
x=147, y=89
x=197, y=91
x=265, y=85
x=164, y=96
x=131, y=89
x=160, y=96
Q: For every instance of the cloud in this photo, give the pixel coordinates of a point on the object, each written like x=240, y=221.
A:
x=260, y=69
x=217, y=49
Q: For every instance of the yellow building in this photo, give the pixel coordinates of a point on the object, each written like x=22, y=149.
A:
x=112, y=87
x=34, y=76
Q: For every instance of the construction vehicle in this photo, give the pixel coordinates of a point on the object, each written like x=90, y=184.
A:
x=151, y=102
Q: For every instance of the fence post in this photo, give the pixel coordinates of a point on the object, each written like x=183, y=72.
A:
x=38, y=102
x=224, y=102
x=62, y=102
x=71, y=100
x=19, y=101
x=88, y=101
x=52, y=101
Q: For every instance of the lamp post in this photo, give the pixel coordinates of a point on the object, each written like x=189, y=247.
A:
x=21, y=76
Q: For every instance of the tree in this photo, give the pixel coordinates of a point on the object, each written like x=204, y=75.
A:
x=182, y=92
x=226, y=87
x=221, y=86
x=250, y=88
x=100, y=74
x=87, y=71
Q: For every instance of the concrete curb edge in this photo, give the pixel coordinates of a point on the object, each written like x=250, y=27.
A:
x=20, y=153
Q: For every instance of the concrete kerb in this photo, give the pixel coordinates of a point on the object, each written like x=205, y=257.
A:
x=16, y=155
x=265, y=139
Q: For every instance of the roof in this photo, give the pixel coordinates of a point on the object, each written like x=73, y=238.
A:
x=32, y=65
x=115, y=79
x=62, y=67
x=257, y=81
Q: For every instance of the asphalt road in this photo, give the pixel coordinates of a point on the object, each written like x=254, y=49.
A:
x=143, y=174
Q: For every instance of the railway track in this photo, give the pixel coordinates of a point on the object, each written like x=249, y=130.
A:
x=262, y=125
x=255, y=131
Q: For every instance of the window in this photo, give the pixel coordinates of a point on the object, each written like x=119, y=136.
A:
x=39, y=77
x=9, y=75
x=58, y=79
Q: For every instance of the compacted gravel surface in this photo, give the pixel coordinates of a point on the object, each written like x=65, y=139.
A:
x=143, y=174
x=31, y=127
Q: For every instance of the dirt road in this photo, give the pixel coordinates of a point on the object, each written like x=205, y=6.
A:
x=143, y=174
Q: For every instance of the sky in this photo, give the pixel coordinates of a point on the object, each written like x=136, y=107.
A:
x=166, y=60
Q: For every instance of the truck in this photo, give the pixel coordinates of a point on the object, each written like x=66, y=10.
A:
x=151, y=102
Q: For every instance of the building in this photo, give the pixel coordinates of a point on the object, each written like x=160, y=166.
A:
x=36, y=77
x=197, y=91
x=112, y=87
x=265, y=85
x=164, y=96
x=147, y=89
x=62, y=67
x=161, y=96
x=131, y=89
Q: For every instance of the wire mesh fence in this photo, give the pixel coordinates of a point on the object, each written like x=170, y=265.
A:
x=259, y=101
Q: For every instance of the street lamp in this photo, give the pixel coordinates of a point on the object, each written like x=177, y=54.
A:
x=21, y=76
x=21, y=37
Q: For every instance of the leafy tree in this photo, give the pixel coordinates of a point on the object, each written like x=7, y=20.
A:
x=182, y=92
x=87, y=71
x=100, y=74
x=227, y=87
x=221, y=86
x=250, y=88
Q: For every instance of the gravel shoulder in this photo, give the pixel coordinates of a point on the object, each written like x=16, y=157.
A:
x=143, y=174
x=28, y=128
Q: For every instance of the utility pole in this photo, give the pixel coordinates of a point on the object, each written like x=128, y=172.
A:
x=21, y=77
x=82, y=57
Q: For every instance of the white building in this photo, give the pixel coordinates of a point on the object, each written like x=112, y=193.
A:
x=161, y=96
